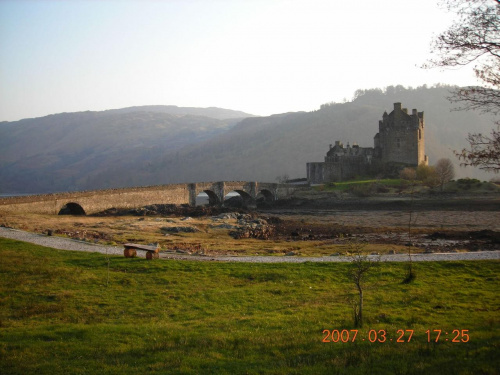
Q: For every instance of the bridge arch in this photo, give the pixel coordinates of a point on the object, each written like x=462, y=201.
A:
x=246, y=200
x=89, y=202
x=213, y=199
x=72, y=208
x=265, y=196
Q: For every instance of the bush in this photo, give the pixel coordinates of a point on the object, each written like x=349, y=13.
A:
x=381, y=189
x=361, y=191
x=468, y=181
x=427, y=175
x=408, y=174
x=490, y=187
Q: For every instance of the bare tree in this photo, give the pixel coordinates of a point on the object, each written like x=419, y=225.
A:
x=483, y=151
x=358, y=272
x=475, y=38
x=283, y=179
x=445, y=171
x=412, y=219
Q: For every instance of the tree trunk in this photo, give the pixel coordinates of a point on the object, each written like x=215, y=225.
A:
x=360, y=311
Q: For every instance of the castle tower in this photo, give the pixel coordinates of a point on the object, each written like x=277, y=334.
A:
x=401, y=137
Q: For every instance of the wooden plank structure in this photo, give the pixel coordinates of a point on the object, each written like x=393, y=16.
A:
x=151, y=251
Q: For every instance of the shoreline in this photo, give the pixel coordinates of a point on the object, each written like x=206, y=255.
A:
x=61, y=243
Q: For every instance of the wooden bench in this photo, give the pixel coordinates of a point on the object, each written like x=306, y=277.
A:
x=151, y=251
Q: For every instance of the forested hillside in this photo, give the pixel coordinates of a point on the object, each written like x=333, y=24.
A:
x=266, y=147
x=65, y=151
x=127, y=147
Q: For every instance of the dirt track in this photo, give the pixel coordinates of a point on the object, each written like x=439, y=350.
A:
x=69, y=244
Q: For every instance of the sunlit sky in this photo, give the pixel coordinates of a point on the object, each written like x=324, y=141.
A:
x=261, y=57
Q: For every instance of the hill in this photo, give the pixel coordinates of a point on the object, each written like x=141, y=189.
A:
x=138, y=146
x=62, y=152
x=262, y=148
x=212, y=112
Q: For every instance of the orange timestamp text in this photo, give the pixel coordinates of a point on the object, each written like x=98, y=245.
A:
x=400, y=336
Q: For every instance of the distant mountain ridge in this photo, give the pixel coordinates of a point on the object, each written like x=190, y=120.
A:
x=212, y=112
x=61, y=152
x=263, y=148
x=129, y=147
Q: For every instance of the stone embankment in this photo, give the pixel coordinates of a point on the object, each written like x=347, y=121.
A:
x=69, y=244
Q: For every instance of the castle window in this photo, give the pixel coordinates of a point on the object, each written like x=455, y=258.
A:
x=419, y=134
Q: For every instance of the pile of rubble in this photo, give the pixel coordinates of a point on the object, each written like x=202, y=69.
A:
x=165, y=210
x=247, y=226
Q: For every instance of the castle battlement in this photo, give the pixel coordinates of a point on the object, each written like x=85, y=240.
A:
x=399, y=142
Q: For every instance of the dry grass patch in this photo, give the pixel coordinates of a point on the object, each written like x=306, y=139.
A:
x=384, y=231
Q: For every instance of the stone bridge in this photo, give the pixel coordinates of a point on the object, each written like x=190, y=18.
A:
x=89, y=202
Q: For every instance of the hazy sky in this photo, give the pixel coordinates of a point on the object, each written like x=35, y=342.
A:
x=261, y=57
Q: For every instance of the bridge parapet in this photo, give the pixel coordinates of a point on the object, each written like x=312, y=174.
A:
x=100, y=200
x=217, y=191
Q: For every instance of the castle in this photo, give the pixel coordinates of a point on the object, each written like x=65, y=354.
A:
x=399, y=143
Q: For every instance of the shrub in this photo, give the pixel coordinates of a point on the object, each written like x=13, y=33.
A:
x=408, y=174
x=382, y=189
x=361, y=191
x=468, y=181
x=427, y=175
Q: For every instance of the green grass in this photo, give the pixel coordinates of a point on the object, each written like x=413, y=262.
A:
x=58, y=316
x=466, y=185
x=347, y=185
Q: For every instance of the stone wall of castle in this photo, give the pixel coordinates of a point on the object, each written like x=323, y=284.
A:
x=399, y=142
x=401, y=137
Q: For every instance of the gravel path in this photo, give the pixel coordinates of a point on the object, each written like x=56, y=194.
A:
x=58, y=242
x=69, y=244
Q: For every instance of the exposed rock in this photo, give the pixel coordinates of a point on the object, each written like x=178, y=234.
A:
x=244, y=217
x=225, y=216
x=224, y=226
x=262, y=232
x=179, y=229
x=259, y=221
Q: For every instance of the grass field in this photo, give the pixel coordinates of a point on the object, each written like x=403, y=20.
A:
x=347, y=185
x=373, y=186
x=67, y=312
